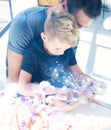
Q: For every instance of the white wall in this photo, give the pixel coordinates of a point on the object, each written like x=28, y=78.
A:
x=19, y=5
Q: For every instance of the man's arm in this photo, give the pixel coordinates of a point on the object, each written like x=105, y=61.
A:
x=14, y=65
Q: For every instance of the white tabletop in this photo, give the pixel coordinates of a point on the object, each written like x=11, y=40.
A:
x=87, y=116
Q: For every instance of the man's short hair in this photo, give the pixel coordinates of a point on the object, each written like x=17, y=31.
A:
x=92, y=8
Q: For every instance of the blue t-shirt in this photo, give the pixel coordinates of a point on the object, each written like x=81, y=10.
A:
x=43, y=66
x=26, y=28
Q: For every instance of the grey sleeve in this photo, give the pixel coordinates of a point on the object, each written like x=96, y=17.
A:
x=20, y=36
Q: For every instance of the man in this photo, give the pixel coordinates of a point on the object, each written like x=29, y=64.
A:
x=27, y=26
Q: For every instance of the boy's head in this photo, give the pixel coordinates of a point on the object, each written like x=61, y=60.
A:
x=60, y=32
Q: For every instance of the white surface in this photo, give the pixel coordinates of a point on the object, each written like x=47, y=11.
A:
x=107, y=23
x=92, y=117
x=106, y=97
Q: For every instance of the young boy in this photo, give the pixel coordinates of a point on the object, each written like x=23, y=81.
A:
x=52, y=57
x=49, y=58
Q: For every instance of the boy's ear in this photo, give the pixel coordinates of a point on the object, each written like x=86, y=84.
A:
x=43, y=36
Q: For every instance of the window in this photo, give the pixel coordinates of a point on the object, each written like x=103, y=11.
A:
x=5, y=15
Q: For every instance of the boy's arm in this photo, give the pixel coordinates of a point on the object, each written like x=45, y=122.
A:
x=64, y=107
x=27, y=89
x=76, y=71
x=24, y=77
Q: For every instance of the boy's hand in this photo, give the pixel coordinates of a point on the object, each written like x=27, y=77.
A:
x=61, y=104
x=65, y=107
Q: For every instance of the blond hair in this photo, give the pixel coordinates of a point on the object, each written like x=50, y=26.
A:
x=63, y=26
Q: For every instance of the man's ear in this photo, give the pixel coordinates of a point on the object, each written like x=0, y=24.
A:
x=64, y=5
x=43, y=36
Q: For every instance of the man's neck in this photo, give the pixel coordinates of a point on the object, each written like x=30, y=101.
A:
x=58, y=7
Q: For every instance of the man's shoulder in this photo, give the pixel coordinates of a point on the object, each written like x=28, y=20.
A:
x=35, y=10
x=31, y=11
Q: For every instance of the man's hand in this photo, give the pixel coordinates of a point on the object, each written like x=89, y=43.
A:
x=14, y=65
